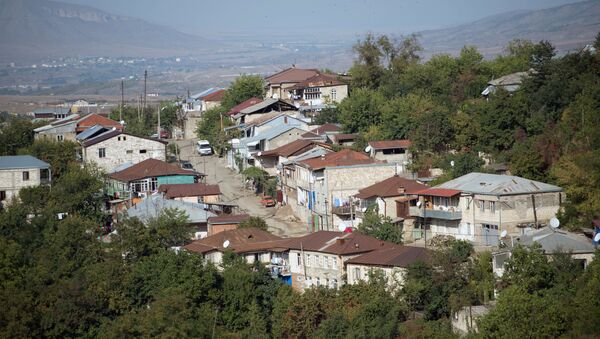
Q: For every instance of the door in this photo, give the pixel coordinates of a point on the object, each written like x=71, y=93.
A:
x=490, y=234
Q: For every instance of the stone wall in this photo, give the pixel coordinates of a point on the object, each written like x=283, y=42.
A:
x=122, y=149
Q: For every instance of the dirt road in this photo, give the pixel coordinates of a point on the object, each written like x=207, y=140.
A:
x=231, y=185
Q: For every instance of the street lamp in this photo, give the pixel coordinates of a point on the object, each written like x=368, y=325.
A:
x=158, y=126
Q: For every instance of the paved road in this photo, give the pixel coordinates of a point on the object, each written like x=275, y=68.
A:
x=231, y=185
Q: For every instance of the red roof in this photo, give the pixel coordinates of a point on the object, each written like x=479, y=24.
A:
x=439, y=192
x=92, y=120
x=291, y=75
x=326, y=128
x=339, y=243
x=391, y=187
x=239, y=107
x=389, y=144
x=393, y=256
x=318, y=80
x=149, y=168
x=214, y=96
x=228, y=219
x=342, y=158
x=235, y=238
x=293, y=148
x=188, y=190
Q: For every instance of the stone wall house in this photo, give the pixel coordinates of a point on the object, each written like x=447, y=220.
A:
x=115, y=148
x=318, y=90
x=225, y=222
x=212, y=100
x=196, y=192
x=324, y=187
x=390, y=150
x=278, y=84
x=391, y=261
x=271, y=161
x=20, y=171
x=258, y=110
x=479, y=206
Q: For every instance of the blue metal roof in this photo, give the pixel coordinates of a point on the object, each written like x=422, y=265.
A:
x=152, y=207
x=90, y=132
x=21, y=161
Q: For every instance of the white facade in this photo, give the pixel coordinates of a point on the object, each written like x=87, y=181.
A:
x=13, y=180
x=123, y=148
x=316, y=269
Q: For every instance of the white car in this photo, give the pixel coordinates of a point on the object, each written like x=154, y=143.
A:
x=203, y=147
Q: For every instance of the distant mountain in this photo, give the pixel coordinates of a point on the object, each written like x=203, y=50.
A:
x=31, y=29
x=567, y=27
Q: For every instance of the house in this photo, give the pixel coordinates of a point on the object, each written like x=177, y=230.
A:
x=322, y=132
x=151, y=207
x=245, y=104
x=478, y=206
x=552, y=241
x=244, y=149
x=271, y=160
x=278, y=84
x=319, y=190
x=145, y=177
x=50, y=113
x=238, y=241
x=114, y=148
x=212, y=100
x=342, y=139
x=510, y=83
x=269, y=120
x=250, y=113
x=393, y=198
x=319, y=90
x=196, y=192
x=70, y=126
x=21, y=171
x=225, y=222
x=392, y=261
x=319, y=259
x=390, y=151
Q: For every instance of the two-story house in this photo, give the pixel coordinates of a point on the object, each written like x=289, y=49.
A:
x=271, y=161
x=319, y=90
x=21, y=171
x=479, y=206
x=390, y=150
x=196, y=193
x=114, y=148
x=278, y=84
x=324, y=186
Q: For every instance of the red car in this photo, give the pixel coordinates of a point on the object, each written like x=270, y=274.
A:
x=268, y=201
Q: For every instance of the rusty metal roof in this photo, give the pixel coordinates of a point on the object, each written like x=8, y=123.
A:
x=391, y=187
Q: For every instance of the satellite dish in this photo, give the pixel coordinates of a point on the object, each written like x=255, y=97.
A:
x=259, y=154
x=452, y=163
x=341, y=227
x=225, y=243
x=419, y=203
x=597, y=237
x=503, y=234
x=554, y=223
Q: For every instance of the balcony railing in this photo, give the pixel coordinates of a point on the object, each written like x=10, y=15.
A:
x=435, y=213
x=342, y=210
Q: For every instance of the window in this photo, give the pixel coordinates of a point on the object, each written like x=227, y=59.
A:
x=101, y=152
x=357, y=273
x=334, y=283
x=333, y=94
x=317, y=281
x=25, y=175
x=493, y=206
x=317, y=261
x=60, y=137
x=124, y=138
x=142, y=151
x=334, y=264
x=129, y=151
x=298, y=259
x=481, y=205
x=312, y=93
x=308, y=260
x=2, y=195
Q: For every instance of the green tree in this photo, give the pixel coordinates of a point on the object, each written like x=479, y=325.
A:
x=15, y=133
x=242, y=89
x=59, y=154
x=380, y=227
x=254, y=222
x=361, y=110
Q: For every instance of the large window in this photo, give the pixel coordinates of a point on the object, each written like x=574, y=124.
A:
x=311, y=93
x=101, y=152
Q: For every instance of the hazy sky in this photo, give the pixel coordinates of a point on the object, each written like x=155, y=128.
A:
x=335, y=16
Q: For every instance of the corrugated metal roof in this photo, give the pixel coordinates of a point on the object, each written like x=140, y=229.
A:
x=554, y=241
x=495, y=184
x=391, y=187
x=393, y=256
x=153, y=206
x=268, y=134
x=90, y=132
x=21, y=161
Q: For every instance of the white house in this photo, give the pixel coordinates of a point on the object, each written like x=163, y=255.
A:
x=21, y=171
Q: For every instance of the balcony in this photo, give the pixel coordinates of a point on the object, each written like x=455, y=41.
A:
x=342, y=210
x=436, y=213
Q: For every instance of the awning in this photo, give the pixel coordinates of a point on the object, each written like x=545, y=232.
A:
x=439, y=192
x=253, y=143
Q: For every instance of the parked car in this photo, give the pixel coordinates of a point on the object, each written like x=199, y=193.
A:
x=164, y=134
x=186, y=165
x=268, y=201
x=204, y=148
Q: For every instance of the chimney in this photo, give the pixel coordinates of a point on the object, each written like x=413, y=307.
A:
x=340, y=241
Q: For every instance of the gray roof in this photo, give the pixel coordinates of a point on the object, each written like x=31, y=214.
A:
x=557, y=240
x=21, y=161
x=205, y=93
x=259, y=106
x=269, y=134
x=151, y=207
x=498, y=185
x=90, y=132
x=310, y=154
x=510, y=79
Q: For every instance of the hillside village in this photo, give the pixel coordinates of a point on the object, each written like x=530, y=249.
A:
x=434, y=200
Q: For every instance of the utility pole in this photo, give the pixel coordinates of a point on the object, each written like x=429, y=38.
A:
x=122, y=102
x=145, y=88
x=158, y=127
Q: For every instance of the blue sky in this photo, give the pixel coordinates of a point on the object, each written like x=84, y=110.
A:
x=312, y=16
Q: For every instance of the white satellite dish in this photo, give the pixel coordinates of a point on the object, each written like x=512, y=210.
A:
x=554, y=223
x=225, y=243
x=452, y=163
x=341, y=227
x=419, y=203
x=597, y=237
x=503, y=234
